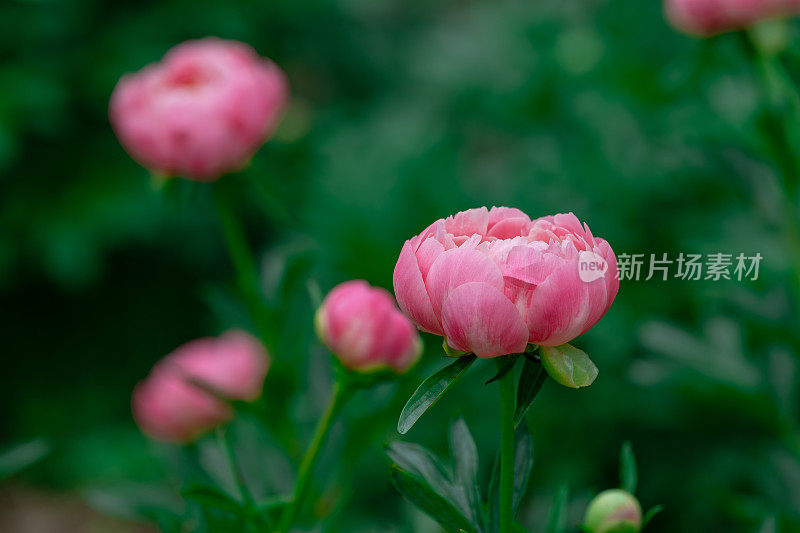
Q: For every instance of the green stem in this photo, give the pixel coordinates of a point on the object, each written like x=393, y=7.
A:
x=233, y=466
x=244, y=263
x=341, y=393
x=784, y=103
x=506, y=385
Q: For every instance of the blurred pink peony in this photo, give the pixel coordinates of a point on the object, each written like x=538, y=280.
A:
x=186, y=393
x=709, y=17
x=202, y=111
x=365, y=330
x=491, y=281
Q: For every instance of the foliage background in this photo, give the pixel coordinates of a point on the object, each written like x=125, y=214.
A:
x=403, y=112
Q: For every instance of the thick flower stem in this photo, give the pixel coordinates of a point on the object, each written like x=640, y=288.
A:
x=506, y=384
x=341, y=393
x=244, y=263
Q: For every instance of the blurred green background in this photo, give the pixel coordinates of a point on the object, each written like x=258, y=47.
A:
x=403, y=112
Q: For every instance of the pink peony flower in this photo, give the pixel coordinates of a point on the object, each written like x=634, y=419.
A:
x=186, y=393
x=492, y=281
x=365, y=330
x=709, y=17
x=202, y=111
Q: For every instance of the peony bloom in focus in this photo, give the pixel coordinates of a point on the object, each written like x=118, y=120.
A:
x=362, y=326
x=200, y=112
x=709, y=17
x=187, y=392
x=492, y=281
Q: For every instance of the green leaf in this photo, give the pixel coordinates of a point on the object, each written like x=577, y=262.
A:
x=271, y=509
x=531, y=380
x=210, y=496
x=429, y=392
x=627, y=468
x=426, y=499
x=21, y=456
x=508, y=364
x=465, y=457
x=568, y=365
x=421, y=462
x=557, y=521
x=651, y=513
x=523, y=463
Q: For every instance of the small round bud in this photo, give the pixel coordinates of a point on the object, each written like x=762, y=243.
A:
x=613, y=511
x=366, y=331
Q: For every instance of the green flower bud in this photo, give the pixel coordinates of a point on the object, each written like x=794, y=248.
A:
x=613, y=511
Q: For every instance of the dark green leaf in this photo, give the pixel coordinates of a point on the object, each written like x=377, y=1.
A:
x=465, y=457
x=627, y=468
x=651, y=513
x=426, y=499
x=523, y=463
x=209, y=496
x=21, y=456
x=568, y=365
x=421, y=462
x=531, y=380
x=557, y=521
x=508, y=364
x=429, y=392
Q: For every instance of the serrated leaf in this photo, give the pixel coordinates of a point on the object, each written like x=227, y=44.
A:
x=531, y=380
x=651, y=513
x=429, y=392
x=627, y=468
x=568, y=365
x=426, y=499
x=465, y=458
x=508, y=364
x=523, y=463
x=557, y=521
x=210, y=496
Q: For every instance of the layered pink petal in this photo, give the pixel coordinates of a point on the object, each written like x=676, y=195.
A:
x=456, y=267
x=411, y=293
x=478, y=318
x=498, y=214
x=557, y=310
x=469, y=222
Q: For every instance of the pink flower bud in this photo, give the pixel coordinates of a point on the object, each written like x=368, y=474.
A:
x=186, y=393
x=492, y=281
x=362, y=326
x=613, y=511
x=708, y=17
x=203, y=110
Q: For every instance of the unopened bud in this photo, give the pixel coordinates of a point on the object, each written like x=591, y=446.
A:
x=613, y=511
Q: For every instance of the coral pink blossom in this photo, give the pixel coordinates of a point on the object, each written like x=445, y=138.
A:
x=708, y=17
x=200, y=112
x=187, y=392
x=492, y=281
x=365, y=330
